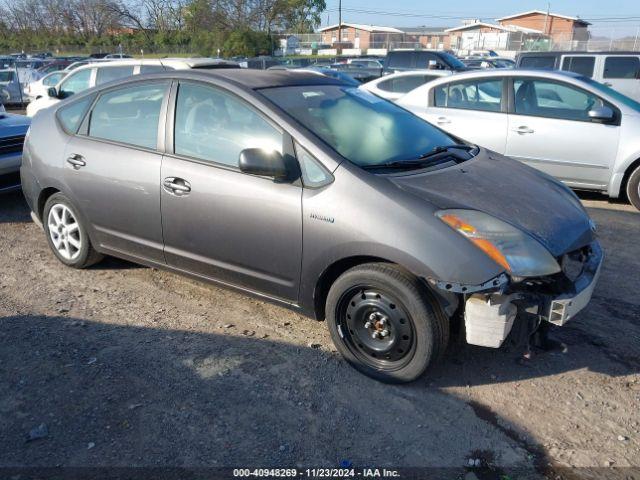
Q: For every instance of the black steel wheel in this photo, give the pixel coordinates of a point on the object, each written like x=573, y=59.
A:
x=384, y=322
x=376, y=327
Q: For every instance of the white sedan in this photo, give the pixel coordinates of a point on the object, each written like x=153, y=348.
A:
x=394, y=86
x=569, y=126
x=39, y=88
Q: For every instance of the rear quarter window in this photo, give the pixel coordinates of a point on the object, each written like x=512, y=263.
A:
x=70, y=116
x=401, y=60
x=622, y=67
x=580, y=64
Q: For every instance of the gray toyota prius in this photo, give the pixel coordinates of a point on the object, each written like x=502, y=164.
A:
x=311, y=193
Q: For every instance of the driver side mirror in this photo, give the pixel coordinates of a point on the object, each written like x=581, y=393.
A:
x=257, y=161
x=601, y=114
x=52, y=92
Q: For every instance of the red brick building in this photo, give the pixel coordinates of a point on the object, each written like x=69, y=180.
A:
x=356, y=35
x=558, y=27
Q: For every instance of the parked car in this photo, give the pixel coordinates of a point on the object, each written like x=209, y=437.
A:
x=489, y=62
x=318, y=196
x=10, y=85
x=569, y=126
x=394, y=86
x=403, y=60
x=13, y=129
x=618, y=70
x=372, y=65
x=54, y=66
x=40, y=88
x=97, y=73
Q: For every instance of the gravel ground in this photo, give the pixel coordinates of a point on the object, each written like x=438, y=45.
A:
x=132, y=366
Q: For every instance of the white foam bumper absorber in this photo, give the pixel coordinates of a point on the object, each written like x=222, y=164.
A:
x=488, y=319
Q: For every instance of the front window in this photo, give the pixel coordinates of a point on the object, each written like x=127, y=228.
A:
x=52, y=79
x=215, y=126
x=77, y=82
x=543, y=98
x=360, y=126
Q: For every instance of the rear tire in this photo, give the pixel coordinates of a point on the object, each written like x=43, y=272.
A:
x=385, y=323
x=633, y=188
x=66, y=233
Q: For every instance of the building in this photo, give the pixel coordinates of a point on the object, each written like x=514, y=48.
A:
x=558, y=27
x=436, y=38
x=477, y=35
x=355, y=35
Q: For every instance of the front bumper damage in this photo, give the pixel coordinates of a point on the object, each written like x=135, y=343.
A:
x=490, y=312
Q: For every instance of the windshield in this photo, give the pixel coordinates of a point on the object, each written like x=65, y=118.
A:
x=619, y=97
x=454, y=62
x=360, y=126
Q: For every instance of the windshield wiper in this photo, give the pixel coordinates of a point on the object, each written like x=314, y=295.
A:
x=421, y=161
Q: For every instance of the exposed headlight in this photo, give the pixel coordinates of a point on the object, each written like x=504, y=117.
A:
x=509, y=247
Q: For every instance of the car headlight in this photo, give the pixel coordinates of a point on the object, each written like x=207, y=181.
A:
x=520, y=254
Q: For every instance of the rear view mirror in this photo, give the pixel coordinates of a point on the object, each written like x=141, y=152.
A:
x=52, y=92
x=601, y=114
x=257, y=161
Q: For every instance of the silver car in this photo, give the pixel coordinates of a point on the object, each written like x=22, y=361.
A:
x=569, y=126
x=319, y=196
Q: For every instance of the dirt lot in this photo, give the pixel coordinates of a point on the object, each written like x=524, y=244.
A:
x=127, y=365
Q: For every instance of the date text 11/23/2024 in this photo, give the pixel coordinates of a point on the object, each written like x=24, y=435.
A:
x=315, y=473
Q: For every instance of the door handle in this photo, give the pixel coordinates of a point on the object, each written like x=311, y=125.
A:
x=443, y=120
x=176, y=186
x=76, y=161
x=522, y=130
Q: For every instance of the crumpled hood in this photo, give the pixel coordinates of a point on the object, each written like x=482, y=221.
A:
x=510, y=191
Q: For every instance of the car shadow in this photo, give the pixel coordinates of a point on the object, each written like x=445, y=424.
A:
x=135, y=396
x=13, y=208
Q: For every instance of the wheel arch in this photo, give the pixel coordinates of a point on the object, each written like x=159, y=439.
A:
x=627, y=174
x=331, y=274
x=44, y=195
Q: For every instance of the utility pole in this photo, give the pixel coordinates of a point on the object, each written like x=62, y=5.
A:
x=546, y=18
x=339, y=23
x=635, y=40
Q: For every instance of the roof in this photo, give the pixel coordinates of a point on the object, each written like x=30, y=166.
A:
x=257, y=79
x=366, y=28
x=504, y=28
x=423, y=30
x=541, y=12
x=176, y=63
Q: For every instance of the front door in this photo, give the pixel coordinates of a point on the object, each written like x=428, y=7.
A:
x=218, y=222
x=113, y=170
x=550, y=129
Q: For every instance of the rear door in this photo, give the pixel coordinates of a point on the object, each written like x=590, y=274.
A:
x=474, y=110
x=622, y=73
x=219, y=222
x=550, y=129
x=113, y=168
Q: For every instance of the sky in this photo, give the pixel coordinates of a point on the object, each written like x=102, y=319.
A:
x=615, y=18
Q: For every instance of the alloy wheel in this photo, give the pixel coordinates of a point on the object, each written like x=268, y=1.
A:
x=64, y=232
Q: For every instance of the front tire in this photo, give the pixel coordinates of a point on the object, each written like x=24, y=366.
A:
x=66, y=233
x=385, y=323
x=633, y=188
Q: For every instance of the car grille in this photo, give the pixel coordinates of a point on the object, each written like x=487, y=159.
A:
x=11, y=144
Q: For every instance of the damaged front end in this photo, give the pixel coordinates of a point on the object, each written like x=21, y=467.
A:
x=490, y=309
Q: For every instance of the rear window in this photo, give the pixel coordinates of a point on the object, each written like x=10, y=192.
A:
x=6, y=76
x=541, y=62
x=475, y=94
x=622, y=67
x=400, y=59
x=404, y=84
x=582, y=65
